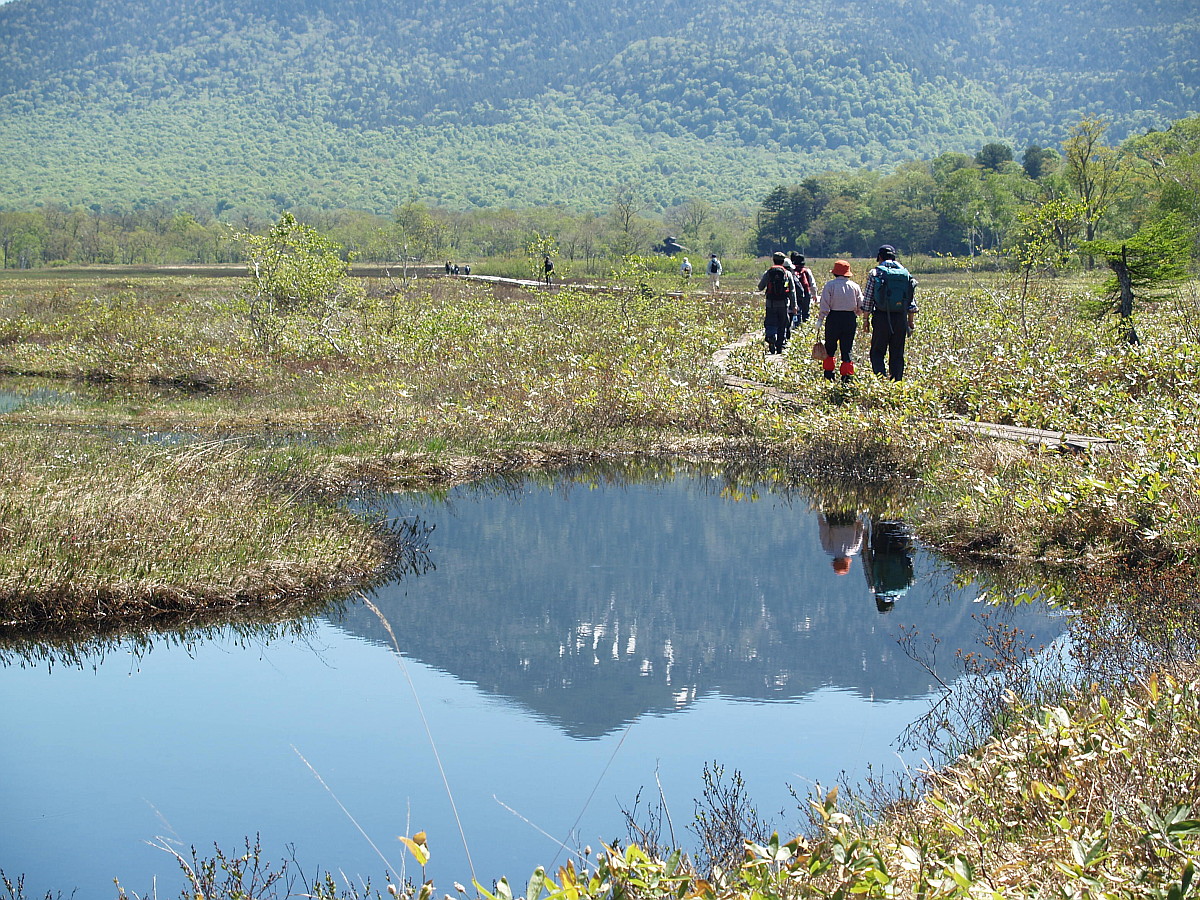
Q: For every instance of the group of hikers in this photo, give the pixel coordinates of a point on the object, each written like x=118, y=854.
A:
x=886, y=303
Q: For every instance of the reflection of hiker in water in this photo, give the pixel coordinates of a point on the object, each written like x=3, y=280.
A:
x=842, y=534
x=888, y=563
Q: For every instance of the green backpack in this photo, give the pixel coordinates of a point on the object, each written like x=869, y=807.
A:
x=893, y=288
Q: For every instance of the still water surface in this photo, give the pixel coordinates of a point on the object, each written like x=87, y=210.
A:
x=572, y=645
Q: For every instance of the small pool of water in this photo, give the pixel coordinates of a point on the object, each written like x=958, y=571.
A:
x=572, y=644
x=13, y=397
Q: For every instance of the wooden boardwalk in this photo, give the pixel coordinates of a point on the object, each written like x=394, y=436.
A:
x=1051, y=440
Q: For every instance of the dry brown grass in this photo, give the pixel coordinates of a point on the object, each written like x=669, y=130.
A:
x=95, y=530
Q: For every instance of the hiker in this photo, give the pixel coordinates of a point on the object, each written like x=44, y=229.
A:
x=685, y=269
x=888, y=563
x=807, y=292
x=714, y=272
x=889, y=308
x=547, y=269
x=447, y=267
x=780, y=303
x=840, y=306
x=793, y=319
x=466, y=268
x=841, y=533
x=454, y=270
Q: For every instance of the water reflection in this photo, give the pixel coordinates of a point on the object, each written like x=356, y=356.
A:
x=574, y=642
x=18, y=393
x=591, y=607
x=888, y=562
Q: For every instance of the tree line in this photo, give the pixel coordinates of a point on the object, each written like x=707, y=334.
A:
x=953, y=204
x=957, y=204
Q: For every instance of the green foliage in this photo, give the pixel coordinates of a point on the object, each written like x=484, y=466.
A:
x=1173, y=160
x=1042, y=240
x=1038, y=161
x=1045, y=233
x=294, y=269
x=1095, y=169
x=993, y=156
x=538, y=249
x=372, y=106
x=1148, y=265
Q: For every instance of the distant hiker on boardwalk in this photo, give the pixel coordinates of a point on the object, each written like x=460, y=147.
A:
x=808, y=285
x=890, y=306
x=714, y=272
x=780, y=303
x=685, y=269
x=841, y=304
x=547, y=269
x=447, y=267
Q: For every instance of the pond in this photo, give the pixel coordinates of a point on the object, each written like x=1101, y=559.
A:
x=571, y=643
x=18, y=393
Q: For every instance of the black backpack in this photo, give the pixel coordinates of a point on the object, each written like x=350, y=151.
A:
x=780, y=287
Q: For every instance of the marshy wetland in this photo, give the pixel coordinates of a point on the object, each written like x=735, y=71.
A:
x=183, y=493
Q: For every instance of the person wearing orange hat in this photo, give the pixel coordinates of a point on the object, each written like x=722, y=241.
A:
x=841, y=533
x=840, y=307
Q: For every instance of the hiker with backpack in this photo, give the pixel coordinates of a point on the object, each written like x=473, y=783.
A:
x=714, y=272
x=807, y=286
x=781, y=303
x=839, y=309
x=889, y=304
x=685, y=269
x=794, y=311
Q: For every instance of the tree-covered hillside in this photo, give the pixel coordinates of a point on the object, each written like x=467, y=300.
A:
x=267, y=103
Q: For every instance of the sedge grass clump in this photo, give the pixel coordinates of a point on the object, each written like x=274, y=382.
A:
x=96, y=529
x=868, y=446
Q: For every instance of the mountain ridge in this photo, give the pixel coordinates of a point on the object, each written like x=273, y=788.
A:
x=507, y=103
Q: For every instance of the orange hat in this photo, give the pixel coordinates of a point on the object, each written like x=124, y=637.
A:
x=841, y=267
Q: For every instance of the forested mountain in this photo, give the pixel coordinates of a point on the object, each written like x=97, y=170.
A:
x=364, y=103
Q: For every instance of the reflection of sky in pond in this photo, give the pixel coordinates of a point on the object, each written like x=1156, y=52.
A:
x=14, y=399
x=570, y=648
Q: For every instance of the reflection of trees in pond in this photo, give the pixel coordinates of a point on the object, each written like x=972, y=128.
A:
x=606, y=598
x=256, y=621
x=1131, y=623
x=82, y=649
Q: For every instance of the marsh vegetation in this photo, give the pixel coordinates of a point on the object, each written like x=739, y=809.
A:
x=239, y=499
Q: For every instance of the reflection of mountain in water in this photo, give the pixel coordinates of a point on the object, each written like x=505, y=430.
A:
x=594, y=606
